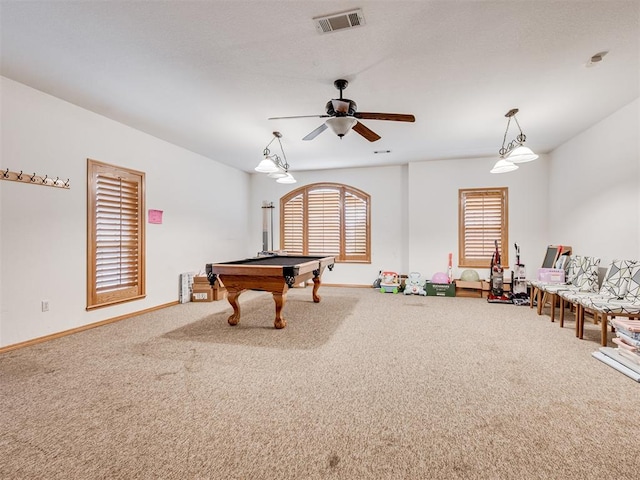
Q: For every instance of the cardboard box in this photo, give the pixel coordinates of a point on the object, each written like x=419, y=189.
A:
x=202, y=293
x=441, y=289
x=219, y=293
x=465, y=288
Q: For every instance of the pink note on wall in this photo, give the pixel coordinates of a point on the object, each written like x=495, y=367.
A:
x=155, y=216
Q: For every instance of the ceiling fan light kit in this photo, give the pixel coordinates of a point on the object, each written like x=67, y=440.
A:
x=273, y=165
x=342, y=116
x=341, y=125
x=514, y=152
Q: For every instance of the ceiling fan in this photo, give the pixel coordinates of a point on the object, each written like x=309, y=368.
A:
x=343, y=116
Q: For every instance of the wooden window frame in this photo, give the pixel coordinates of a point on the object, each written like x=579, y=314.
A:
x=134, y=288
x=464, y=260
x=344, y=190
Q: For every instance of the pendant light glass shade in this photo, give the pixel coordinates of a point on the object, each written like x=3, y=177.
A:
x=341, y=125
x=504, y=166
x=278, y=174
x=266, y=166
x=288, y=178
x=521, y=154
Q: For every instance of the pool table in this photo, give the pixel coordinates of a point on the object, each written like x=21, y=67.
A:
x=272, y=273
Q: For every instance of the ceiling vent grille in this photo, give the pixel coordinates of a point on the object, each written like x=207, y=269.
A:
x=339, y=21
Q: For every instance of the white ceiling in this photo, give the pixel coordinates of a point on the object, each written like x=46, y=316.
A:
x=207, y=75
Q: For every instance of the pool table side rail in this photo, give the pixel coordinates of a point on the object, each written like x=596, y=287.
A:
x=256, y=269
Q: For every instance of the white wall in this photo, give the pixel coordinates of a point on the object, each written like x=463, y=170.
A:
x=414, y=222
x=594, y=189
x=43, y=229
x=389, y=233
x=433, y=220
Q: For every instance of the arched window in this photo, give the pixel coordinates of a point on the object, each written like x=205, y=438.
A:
x=327, y=219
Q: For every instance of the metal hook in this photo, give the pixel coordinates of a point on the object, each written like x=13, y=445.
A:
x=20, y=176
x=66, y=184
x=55, y=182
x=6, y=174
x=44, y=180
x=33, y=177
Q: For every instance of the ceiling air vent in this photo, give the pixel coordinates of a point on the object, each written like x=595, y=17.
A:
x=339, y=21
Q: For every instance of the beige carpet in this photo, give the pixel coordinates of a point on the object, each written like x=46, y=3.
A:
x=363, y=385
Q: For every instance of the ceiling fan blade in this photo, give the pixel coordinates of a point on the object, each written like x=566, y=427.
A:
x=299, y=116
x=365, y=132
x=340, y=106
x=316, y=132
x=394, y=117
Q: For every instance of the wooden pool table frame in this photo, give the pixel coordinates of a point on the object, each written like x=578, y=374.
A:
x=277, y=278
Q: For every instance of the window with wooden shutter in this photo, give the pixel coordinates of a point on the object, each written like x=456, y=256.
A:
x=115, y=237
x=293, y=231
x=483, y=219
x=356, y=227
x=326, y=219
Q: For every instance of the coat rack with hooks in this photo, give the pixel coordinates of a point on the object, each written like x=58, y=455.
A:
x=6, y=174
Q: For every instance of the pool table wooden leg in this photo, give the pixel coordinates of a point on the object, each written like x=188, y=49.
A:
x=280, y=299
x=316, y=286
x=232, y=297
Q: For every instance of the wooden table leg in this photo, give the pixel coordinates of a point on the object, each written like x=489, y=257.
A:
x=553, y=307
x=280, y=298
x=232, y=296
x=561, y=311
x=316, y=286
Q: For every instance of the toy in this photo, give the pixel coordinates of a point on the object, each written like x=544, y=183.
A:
x=440, y=277
x=470, y=276
x=390, y=282
x=414, y=285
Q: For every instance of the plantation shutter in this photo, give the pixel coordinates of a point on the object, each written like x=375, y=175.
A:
x=355, y=227
x=293, y=231
x=483, y=220
x=323, y=222
x=116, y=250
x=326, y=219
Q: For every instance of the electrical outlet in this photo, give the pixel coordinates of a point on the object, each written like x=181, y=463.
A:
x=45, y=305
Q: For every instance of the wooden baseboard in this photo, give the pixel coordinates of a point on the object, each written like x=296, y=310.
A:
x=64, y=333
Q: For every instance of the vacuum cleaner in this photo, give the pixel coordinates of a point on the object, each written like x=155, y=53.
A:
x=520, y=292
x=496, y=280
